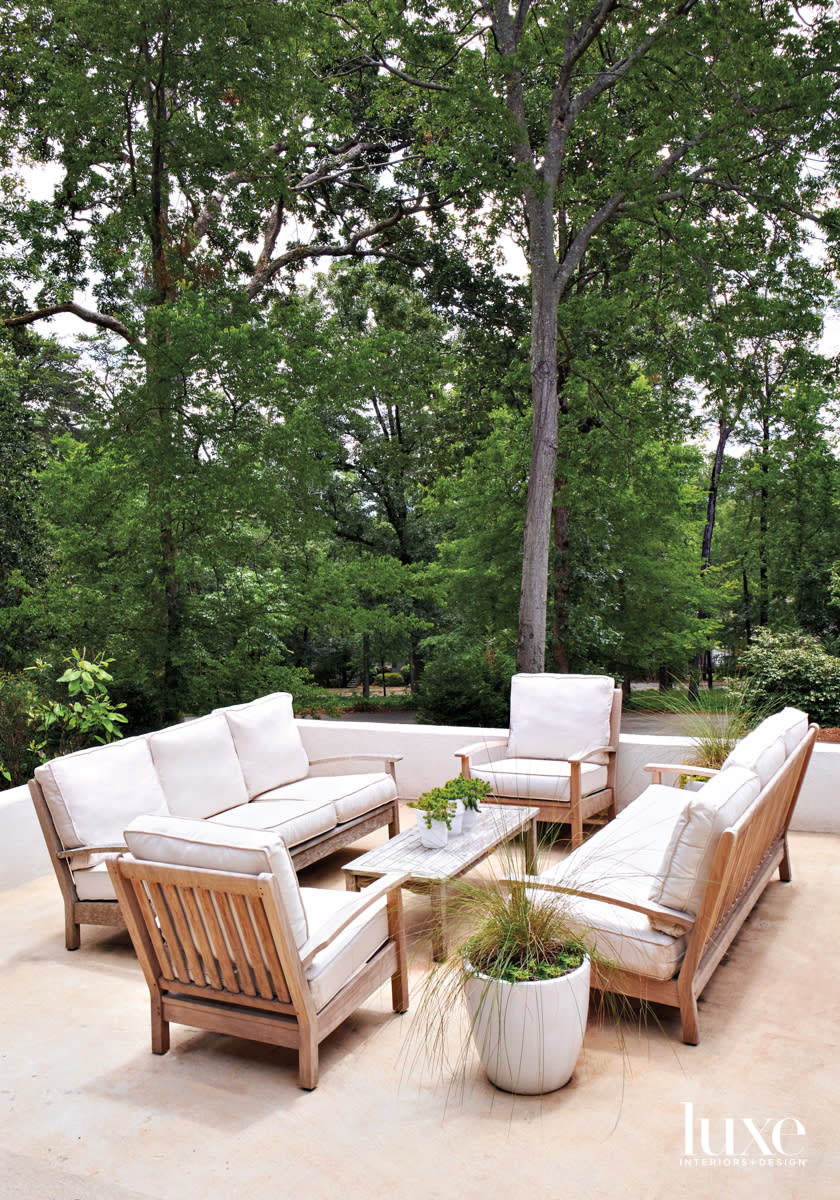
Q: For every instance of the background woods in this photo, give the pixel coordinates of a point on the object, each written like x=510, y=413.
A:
x=426, y=340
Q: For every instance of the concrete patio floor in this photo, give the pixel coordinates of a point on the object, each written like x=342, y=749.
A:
x=88, y=1113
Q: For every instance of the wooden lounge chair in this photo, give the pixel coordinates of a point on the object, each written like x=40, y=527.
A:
x=561, y=751
x=229, y=942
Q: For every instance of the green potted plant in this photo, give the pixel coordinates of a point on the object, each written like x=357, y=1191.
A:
x=469, y=793
x=523, y=970
x=436, y=809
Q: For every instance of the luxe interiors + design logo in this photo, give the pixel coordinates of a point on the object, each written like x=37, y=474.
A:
x=741, y=1141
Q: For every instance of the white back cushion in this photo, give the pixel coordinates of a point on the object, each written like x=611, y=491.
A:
x=553, y=716
x=791, y=724
x=198, y=768
x=267, y=742
x=690, y=853
x=212, y=847
x=94, y=793
x=762, y=751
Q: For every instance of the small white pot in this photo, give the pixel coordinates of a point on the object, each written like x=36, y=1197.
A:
x=458, y=819
x=529, y=1035
x=469, y=819
x=434, y=838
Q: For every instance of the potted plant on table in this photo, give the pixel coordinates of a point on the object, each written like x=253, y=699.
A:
x=437, y=809
x=469, y=793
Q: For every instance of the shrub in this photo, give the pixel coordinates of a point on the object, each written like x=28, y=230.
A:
x=794, y=668
x=18, y=756
x=387, y=679
x=465, y=684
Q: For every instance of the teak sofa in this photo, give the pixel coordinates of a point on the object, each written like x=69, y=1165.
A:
x=243, y=766
x=663, y=889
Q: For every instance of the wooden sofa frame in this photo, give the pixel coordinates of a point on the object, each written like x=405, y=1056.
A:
x=747, y=855
x=107, y=912
x=577, y=808
x=218, y=953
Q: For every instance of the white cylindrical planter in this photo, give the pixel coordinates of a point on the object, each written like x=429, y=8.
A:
x=434, y=838
x=529, y=1035
x=469, y=819
x=457, y=819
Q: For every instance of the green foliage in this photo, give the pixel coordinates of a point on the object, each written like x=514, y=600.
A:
x=43, y=716
x=437, y=804
x=794, y=669
x=716, y=728
x=18, y=754
x=87, y=716
x=441, y=803
x=465, y=683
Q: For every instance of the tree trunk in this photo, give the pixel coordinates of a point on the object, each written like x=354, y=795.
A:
x=763, y=524
x=366, y=666
x=533, y=600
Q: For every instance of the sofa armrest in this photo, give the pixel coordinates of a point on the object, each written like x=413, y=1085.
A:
x=657, y=770
x=649, y=907
x=334, y=758
x=364, y=900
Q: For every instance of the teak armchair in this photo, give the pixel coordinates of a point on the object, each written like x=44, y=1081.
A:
x=560, y=754
x=229, y=942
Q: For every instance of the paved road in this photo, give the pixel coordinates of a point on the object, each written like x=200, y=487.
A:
x=632, y=722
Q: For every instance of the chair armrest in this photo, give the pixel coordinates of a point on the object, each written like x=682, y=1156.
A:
x=649, y=907
x=364, y=899
x=109, y=848
x=332, y=758
x=585, y=754
x=466, y=752
x=657, y=770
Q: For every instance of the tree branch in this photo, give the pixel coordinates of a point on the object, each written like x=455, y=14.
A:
x=84, y=314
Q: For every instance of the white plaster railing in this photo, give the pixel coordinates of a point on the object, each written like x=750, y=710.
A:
x=428, y=759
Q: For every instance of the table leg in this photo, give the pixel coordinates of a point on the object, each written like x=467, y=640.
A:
x=352, y=883
x=529, y=833
x=437, y=895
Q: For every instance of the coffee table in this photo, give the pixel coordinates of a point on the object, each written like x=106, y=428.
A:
x=431, y=870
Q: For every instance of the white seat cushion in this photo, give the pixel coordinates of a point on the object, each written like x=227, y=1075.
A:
x=198, y=768
x=212, y=847
x=538, y=778
x=334, y=966
x=625, y=856
x=622, y=860
x=553, y=716
x=93, y=794
x=267, y=741
x=351, y=795
x=94, y=883
x=689, y=856
x=625, y=937
x=294, y=820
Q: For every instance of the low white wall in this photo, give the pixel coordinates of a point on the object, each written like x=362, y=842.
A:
x=428, y=758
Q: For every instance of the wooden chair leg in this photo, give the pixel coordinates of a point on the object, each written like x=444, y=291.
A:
x=72, y=931
x=690, y=1019
x=308, y=1059
x=785, y=873
x=576, y=822
x=160, y=1027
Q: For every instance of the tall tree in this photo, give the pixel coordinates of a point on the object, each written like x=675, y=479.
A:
x=191, y=175
x=577, y=116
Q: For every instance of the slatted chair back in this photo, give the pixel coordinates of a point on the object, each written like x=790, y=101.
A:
x=222, y=935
